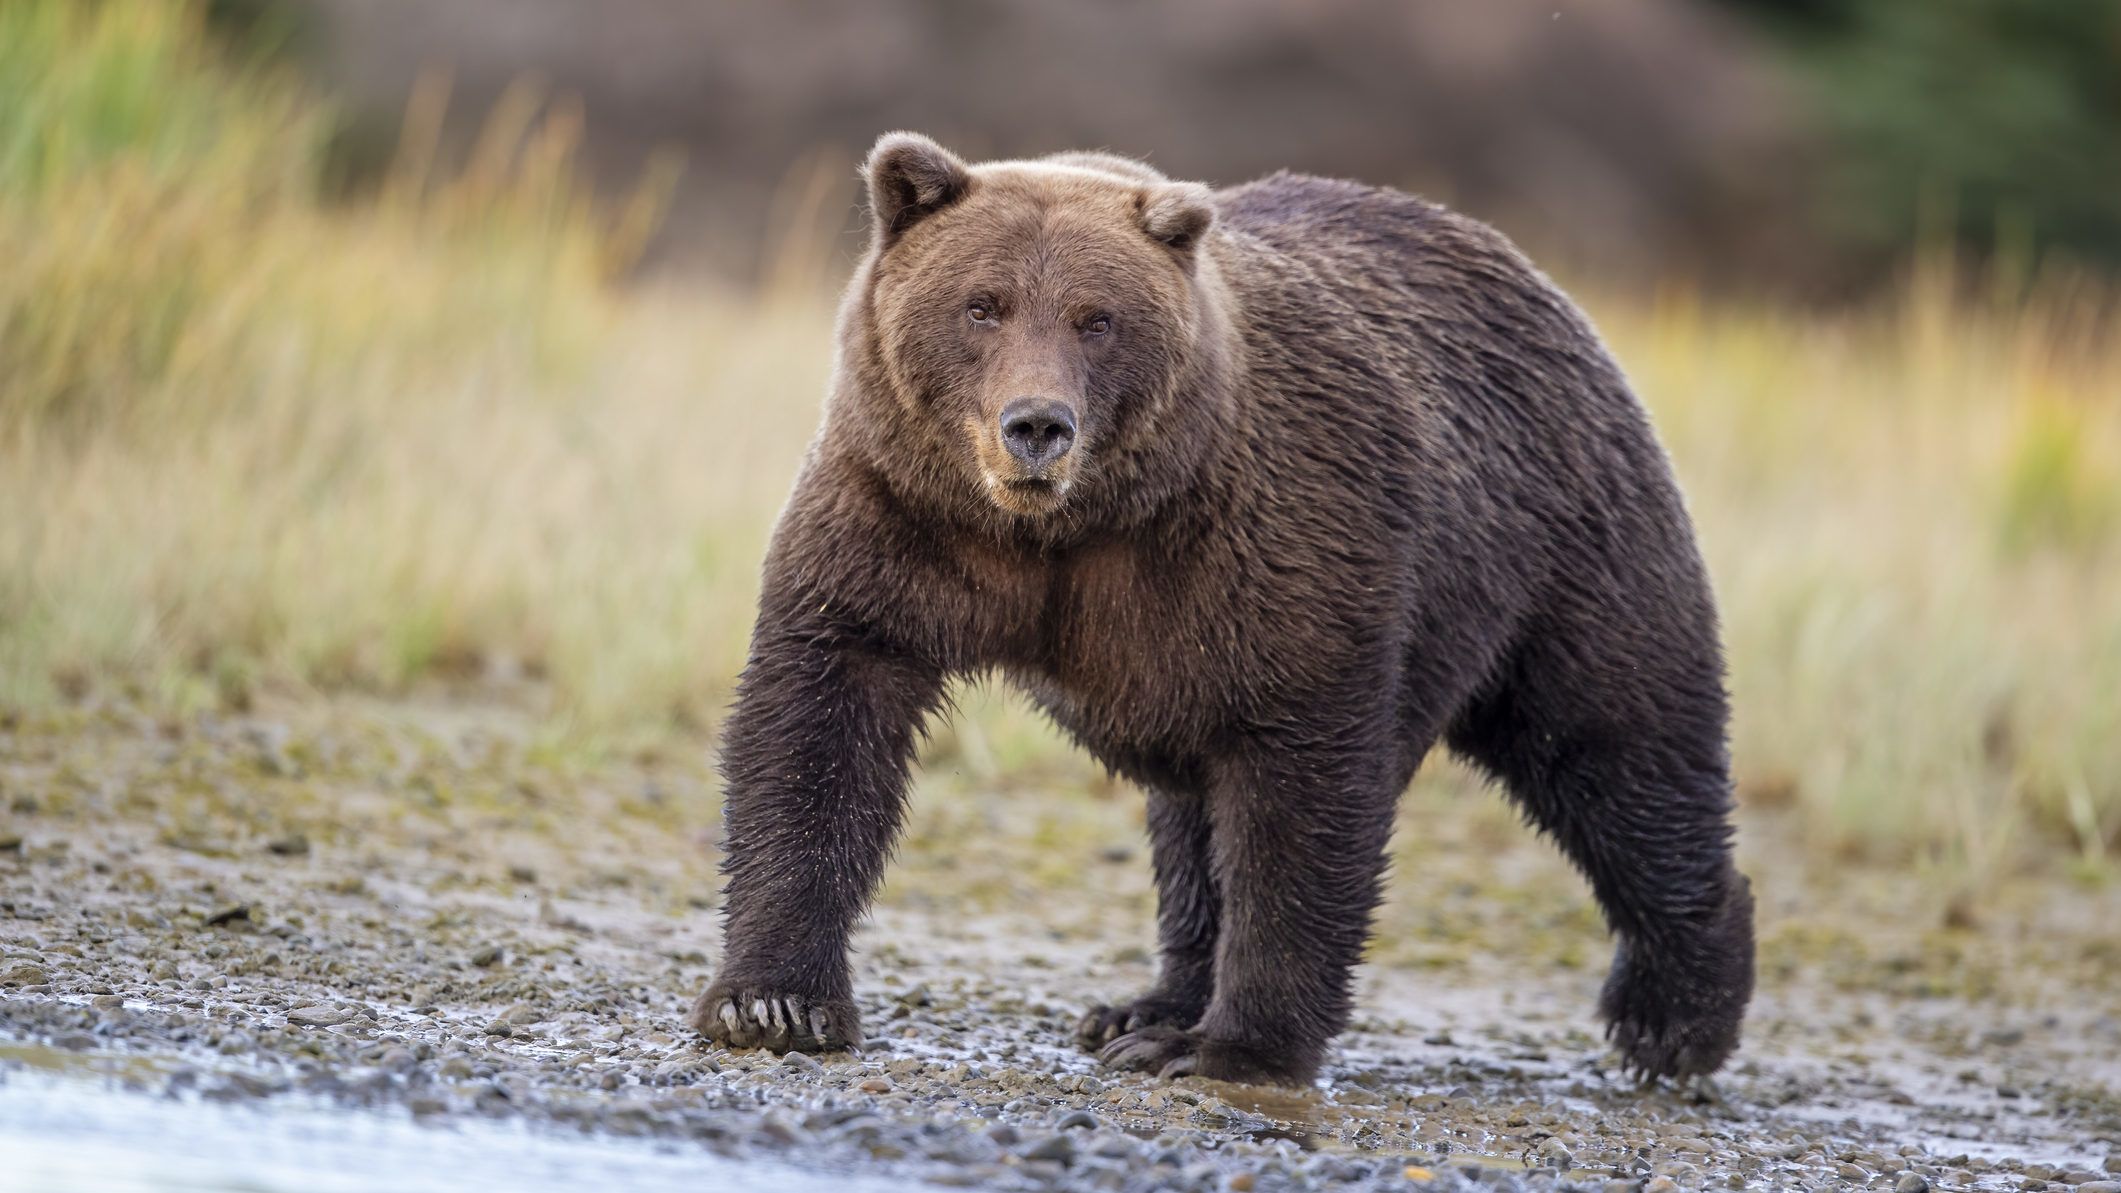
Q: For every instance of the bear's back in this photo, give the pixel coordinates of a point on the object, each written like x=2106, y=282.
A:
x=1424, y=291
x=1285, y=206
x=1346, y=242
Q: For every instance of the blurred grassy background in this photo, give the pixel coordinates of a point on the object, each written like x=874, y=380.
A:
x=263, y=437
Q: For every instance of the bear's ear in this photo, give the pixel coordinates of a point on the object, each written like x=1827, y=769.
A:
x=1178, y=214
x=911, y=178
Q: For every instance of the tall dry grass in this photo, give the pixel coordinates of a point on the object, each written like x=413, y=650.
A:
x=1913, y=518
x=253, y=438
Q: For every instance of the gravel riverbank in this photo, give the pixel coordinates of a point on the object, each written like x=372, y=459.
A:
x=415, y=926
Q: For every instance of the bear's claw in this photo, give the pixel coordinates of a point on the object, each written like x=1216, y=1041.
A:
x=1103, y=1024
x=777, y=1022
x=1169, y=1051
x=1677, y=1051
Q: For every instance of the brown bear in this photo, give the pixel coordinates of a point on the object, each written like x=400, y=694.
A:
x=1260, y=493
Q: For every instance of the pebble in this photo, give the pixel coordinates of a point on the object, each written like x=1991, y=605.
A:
x=1686, y=1143
x=318, y=1016
x=1077, y=1119
x=486, y=955
x=780, y=1130
x=230, y=914
x=802, y=1062
x=1911, y=1182
x=1056, y=1147
x=876, y=1085
x=291, y=845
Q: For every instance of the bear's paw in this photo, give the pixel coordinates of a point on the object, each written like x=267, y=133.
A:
x=1106, y=1023
x=778, y=1022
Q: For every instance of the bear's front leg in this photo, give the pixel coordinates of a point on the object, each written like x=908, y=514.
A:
x=1299, y=822
x=814, y=760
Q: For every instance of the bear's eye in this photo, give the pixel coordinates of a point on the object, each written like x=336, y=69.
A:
x=1098, y=325
x=980, y=311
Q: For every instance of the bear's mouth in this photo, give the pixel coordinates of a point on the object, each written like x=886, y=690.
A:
x=1027, y=494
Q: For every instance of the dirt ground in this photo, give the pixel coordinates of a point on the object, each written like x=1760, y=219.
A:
x=409, y=946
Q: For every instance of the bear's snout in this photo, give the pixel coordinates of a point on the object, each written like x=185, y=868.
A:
x=1038, y=431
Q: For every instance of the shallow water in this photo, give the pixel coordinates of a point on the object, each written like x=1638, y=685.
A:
x=68, y=1124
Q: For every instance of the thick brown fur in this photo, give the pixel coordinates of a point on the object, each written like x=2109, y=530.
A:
x=1340, y=476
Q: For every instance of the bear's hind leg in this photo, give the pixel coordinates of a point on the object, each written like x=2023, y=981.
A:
x=1186, y=916
x=1300, y=816
x=1629, y=774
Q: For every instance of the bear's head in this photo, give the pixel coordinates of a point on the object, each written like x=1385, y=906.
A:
x=1042, y=322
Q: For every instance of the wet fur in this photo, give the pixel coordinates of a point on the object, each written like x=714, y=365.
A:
x=1355, y=479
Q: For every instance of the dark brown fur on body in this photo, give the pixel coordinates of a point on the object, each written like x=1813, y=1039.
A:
x=1340, y=476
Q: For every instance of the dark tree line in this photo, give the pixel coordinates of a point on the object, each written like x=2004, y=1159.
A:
x=1997, y=122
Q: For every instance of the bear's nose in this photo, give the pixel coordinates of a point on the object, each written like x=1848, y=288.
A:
x=1038, y=431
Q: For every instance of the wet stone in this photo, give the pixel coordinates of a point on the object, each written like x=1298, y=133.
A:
x=1057, y=1148
x=779, y=1130
x=319, y=1016
x=1911, y=1182
x=22, y=975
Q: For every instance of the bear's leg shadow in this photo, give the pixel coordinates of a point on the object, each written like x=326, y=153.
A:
x=1186, y=919
x=1624, y=765
x=1300, y=817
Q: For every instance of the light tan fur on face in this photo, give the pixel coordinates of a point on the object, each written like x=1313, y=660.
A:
x=1055, y=245
x=1004, y=476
